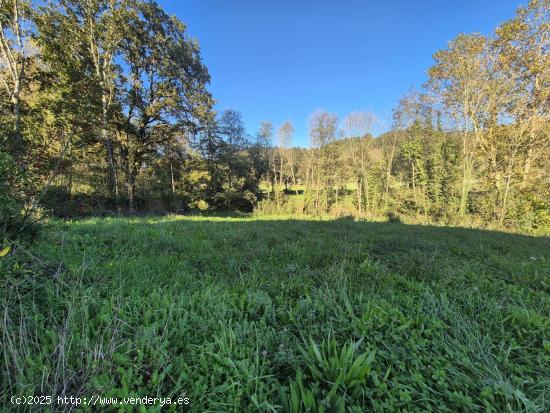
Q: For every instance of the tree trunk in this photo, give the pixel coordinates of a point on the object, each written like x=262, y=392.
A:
x=509, y=170
x=318, y=191
x=366, y=191
x=274, y=182
x=359, y=197
x=465, y=166
x=505, y=200
x=466, y=176
x=308, y=184
x=414, y=184
x=16, y=68
x=388, y=175
x=280, y=188
x=526, y=168
x=100, y=63
x=172, y=179
x=16, y=101
x=113, y=178
x=131, y=187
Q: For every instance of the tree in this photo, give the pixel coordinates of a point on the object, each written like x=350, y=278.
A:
x=231, y=127
x=164, y=86
x=84, y=36
x=522, y=45
x=260, y=151
x=209, y=144
x=323, y=127
x=16, y=49
x=284, y=155
x=461, y=76
x=356, y=127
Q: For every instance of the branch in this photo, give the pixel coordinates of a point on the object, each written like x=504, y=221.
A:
x=33, y=206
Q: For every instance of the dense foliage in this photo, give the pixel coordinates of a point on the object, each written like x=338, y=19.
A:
x=104, y=105
x=276, y=314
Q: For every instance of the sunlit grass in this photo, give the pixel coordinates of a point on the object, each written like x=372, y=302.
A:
x=269, y=313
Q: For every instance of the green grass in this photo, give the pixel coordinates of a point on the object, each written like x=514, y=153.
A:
x=274, y=314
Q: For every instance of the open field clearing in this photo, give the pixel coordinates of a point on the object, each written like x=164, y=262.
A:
x=279, y=314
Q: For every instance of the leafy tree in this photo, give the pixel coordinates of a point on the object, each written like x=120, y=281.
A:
x=524, y=63
x=231, y=128
x=164, y=79
x=462, y=76
x=16, y=50
x=260, y=151
x=323, y=129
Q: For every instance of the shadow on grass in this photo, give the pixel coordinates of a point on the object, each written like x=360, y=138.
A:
x=381, y=238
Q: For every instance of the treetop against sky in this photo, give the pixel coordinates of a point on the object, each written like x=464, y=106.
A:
x=282, y=60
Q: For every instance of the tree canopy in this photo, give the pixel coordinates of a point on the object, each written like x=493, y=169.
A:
x=105, y=107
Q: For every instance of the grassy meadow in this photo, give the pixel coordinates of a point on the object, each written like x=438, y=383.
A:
x=275, y=314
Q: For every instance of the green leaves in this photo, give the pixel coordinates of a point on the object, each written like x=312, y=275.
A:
x=333, y=374
x=342, y=368
x=5, y=251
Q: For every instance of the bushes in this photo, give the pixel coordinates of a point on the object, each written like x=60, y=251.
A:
x=12, y=196
x=533, y=214
x=200, y=204
x=289, y=206
x=60, y=203
x=393, y=217
x=235, y=200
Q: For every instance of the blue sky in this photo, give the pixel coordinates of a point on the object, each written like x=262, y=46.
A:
x=281, y=60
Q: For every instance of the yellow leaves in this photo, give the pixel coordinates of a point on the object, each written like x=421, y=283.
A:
x=5, y=251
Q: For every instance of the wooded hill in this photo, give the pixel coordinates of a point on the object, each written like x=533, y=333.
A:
x=105, y=108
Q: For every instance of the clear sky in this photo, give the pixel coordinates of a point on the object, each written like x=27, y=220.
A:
x=281, y=60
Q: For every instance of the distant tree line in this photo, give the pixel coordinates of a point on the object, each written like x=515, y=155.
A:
x=104, y=106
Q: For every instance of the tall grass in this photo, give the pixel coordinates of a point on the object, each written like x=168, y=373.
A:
x=278, y=314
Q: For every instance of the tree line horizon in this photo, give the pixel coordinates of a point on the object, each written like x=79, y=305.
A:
x=105, y=107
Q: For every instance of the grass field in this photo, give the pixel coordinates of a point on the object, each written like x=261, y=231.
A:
x=274, y=314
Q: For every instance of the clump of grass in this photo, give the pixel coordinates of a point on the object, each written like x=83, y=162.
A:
x=334, y=375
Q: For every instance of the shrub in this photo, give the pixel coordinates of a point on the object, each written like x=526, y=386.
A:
x=341, y=212
x=60, y=203
x=202, y=205
x=11, y=196
x=393, y=217
x=57, y=200
x=533, y=213
x=235, y=200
